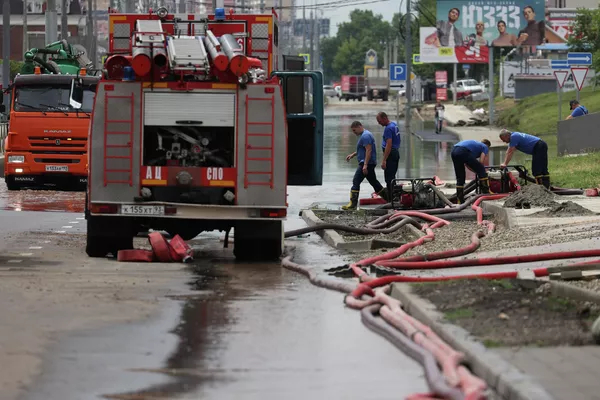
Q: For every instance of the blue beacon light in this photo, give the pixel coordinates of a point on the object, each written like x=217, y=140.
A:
x=219, y=14
x=128, y=74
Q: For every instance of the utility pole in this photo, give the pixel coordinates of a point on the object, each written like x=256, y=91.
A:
x=6, y=50
x=318, y=55
x=51, y=22
x=408, y=47
x=312, y=41
x=243, y=6
x=64, y=21
x=304, y=26
x=25, y=30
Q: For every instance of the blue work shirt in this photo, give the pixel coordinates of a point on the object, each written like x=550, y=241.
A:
x=579, y=111
x=523, y=142
x=365, y=139
x=391, y=131
x=475, y=147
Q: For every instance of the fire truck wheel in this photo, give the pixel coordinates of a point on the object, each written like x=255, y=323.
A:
x=11, y=184
x=102, y=238
x=258, y=241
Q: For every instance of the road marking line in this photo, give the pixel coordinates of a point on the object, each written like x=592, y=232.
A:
x=35, y=247
x=46, y=241
x=66, y=226
x=61, y=232
x=26, y=254
x=73, y=222
x=15, y=261
x=80, y=218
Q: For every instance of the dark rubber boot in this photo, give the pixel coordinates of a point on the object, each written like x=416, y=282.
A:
x=353, y=201
x=484, y=185
x=546, y=181
x=460, y=194
x=384, y=194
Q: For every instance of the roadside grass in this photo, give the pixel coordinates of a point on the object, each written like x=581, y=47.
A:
x=538, y=115
x=459, y=313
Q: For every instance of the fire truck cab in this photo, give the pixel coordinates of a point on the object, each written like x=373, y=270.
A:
x=194, y=129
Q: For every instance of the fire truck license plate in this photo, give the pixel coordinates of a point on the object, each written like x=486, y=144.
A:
x=142, y=210
x=57, y=168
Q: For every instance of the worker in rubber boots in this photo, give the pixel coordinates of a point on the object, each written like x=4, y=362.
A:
x=390, y=147
x=474, y=155
x=533, y=146
x=367, y=161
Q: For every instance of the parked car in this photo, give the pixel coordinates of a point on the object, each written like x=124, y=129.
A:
x=467, y=87
x=329, y=91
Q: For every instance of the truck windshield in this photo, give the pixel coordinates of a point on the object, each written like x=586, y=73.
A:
x=49, y=98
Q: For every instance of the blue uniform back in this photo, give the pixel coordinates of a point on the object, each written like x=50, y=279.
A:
x=391, y=131
x=475, y=147
x=366, y=138
x=523, y=142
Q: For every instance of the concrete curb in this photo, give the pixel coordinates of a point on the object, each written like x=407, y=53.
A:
x=576, y=293
x=501, y=376
x=504, y=216
x=336, y=240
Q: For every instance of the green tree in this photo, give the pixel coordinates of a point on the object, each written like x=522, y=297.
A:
x=586, y=34
x=345, y=52
x=15, y=68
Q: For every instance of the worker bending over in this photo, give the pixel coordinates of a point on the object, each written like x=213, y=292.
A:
x=367, y=161
x=533, y=146
x=474, y=155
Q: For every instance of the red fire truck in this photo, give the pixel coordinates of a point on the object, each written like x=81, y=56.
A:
x=194, y=129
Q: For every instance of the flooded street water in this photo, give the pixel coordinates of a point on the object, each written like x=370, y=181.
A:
x=248, y=331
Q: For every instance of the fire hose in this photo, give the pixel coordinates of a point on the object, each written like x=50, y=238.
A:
x=390, y=312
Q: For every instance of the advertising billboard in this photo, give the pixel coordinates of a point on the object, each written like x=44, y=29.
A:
x=465, y=28
x=441, y=85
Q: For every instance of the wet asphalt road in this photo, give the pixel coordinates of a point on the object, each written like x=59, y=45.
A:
x=246, y=331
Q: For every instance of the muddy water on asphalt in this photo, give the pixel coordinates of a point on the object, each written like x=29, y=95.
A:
x=257, y=331
x=40, y=200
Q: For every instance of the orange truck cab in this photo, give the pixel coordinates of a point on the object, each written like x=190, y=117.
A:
x=47, y=138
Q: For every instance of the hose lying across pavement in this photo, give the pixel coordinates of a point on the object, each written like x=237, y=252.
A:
x=384, y=314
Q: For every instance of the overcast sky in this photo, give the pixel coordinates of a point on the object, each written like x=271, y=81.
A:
x=342, y=14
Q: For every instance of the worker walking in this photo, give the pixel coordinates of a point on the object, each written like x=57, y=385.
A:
x=533, y=146
x=577, y=110
x=390, y=147
x=367, y=161
x=474, y=155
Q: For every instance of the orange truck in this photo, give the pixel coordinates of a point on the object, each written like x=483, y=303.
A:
x=47, y=138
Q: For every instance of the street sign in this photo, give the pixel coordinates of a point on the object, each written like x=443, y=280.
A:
x=579, y=58
x=398, y=85
x=397, y=76
x=306, y=58
x=417, y=59
x=579, y=74
x=561, y=77
x=559, y=64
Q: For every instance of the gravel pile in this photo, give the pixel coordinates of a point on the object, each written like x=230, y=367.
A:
x=566, y=209
x=531, y=196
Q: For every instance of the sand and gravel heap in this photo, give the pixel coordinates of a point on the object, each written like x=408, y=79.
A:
x=531, y=196
x=566, y=209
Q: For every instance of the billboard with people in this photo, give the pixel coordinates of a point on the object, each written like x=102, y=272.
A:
x=466, y=28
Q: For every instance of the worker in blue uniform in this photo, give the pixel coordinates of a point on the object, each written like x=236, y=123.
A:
x=533, y=146
x=367, y=161
x=390, y=147
x=577, y=110
x=475, y=156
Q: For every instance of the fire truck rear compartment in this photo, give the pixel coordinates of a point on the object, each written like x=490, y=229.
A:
x=188, y=146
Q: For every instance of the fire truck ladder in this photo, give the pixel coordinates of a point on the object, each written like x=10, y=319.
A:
x=107, y=145
x=270, y=150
